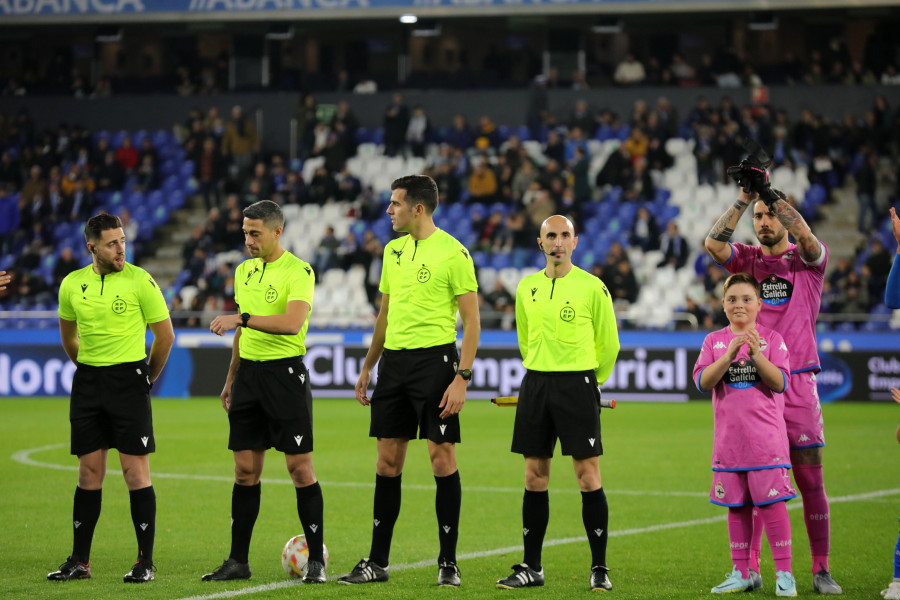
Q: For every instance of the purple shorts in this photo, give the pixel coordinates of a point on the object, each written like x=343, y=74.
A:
x=803, y=413
x=759, y=487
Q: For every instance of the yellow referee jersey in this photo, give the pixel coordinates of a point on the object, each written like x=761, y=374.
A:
x=566, y=324
x=262, y=288
x=112, y=312
x=423, y=278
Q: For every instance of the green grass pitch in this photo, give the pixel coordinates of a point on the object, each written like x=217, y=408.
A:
x=667, y=540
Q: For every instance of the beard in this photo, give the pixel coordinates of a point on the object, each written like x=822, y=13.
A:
x=109, y=266
x=770, y=239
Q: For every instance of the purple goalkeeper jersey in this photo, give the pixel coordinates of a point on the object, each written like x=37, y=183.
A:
x=791, y=295
x=748, y=428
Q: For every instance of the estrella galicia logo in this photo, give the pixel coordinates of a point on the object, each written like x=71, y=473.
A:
x=119, y=306
x=741, y=374
x=775, y=290
x=423, y=275
x=271, y=295
x=567, y=313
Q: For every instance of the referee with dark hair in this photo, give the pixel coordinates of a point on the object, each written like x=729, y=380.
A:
x=427, y=276
x=267, y=391
x=569, y=343
x=104, y=310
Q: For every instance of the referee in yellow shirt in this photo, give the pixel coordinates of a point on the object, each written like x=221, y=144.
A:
x=426, y=277
x=267, y=391
x=104, y=310
x=568, y=339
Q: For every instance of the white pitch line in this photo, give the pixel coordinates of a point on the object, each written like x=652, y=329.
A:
x=25, y=457
x=558, y=542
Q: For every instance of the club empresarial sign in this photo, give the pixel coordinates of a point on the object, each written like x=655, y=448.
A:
x=650, y=367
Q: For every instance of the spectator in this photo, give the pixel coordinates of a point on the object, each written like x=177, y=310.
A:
x=147, y=175
x=127, y=156
x=395, y=122
x=345, y=124
x=644, y=231
x=240, y=141
x=460, y=134
x=482, y=182
x=109, y=174
x=630, y=71
x=622, y=284
x=326, y=252
x=866, y=182
x=81, y=201
x=35, y=184
x=210, y=170
x=674, y=247
x=418, y=131
x=65, y=264
x=502, y=308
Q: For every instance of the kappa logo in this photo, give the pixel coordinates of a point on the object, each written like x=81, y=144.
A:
x=77, y=524
x=443, y=429
x=377, y=522
x=144, y=526
x=599, y=532
x=298, y=439
x=592, y=440
x=446, y=528
x=145, y=439
x=525, y=531
x=314, y=527
x=718, y=346
x=782, y=347
x=773, y=492
x=803, y=438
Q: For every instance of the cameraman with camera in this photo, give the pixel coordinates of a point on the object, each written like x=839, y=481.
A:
x=791, y=277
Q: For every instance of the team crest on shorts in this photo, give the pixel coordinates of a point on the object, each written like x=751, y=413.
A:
x=567, y=313
x=271, y=295
x=119, y=306
x=423, y=275
x=720, y=490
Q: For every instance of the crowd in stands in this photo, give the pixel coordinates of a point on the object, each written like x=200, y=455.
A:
x=610, y=173
x=829, y=63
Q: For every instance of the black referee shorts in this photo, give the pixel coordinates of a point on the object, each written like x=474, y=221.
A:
x=271, y=406
x=110, y=408
x=563, y=405
x=411, y=384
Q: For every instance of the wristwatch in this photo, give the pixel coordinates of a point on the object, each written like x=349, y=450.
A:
x=245, y=317
x=465, y=373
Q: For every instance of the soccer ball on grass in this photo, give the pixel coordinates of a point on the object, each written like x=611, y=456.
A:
x=296, y=554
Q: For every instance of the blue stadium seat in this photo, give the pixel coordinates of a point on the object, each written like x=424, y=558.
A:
x=623, y=132
x=480, y=259
x=175, y=200
x=117, y=138
x=363, y=135
x=378, y=136
x=138, y=137
x=187, y=168
x=500, y=261
x=161, y=138
x=523, y=132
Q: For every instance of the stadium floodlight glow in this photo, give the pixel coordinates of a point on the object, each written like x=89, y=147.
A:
x=408, y=19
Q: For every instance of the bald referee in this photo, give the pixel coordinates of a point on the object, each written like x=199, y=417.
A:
x=267, y=392
x=427, y=276
x=104, y=310
x=568, y=339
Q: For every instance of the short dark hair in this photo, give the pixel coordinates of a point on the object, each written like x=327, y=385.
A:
x=267, y=211
x=420, y=189
x=96, y=225
x=741, y=277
